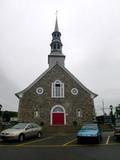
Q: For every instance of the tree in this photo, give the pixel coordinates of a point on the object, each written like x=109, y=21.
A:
x=6, y=116
x=0, y=109
x=117, y=111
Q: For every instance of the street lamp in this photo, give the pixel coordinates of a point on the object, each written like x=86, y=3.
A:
x=111, y=114
x=111, y=108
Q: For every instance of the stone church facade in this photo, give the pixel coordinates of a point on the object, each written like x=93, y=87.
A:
x=56, y=97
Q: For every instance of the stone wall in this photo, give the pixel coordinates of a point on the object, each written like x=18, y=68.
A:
x=30, y=100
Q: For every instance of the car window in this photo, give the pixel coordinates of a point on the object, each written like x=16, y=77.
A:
x=117, y=124
x=20, y=126
x=89, y=127
x=29, y=126
x=35, y=125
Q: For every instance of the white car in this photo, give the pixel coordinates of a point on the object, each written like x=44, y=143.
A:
x=22, y=131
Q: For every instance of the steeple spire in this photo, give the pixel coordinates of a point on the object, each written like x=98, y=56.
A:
x=56, y=26
x=56, y=55
x=56, y=23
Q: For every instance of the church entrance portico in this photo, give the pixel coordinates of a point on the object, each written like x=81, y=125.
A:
x=58, y=116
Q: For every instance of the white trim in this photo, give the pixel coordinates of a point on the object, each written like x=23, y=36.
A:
x=53, y=89
x=79, y=113
x=36, y=113
x=51, y=118
x=39, y=90
x=74, y=91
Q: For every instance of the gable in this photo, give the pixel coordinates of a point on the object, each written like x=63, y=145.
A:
x=57, y=72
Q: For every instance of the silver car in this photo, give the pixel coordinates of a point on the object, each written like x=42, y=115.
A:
x=22, y=131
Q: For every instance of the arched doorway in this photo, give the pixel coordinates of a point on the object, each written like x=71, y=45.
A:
x=58, y=116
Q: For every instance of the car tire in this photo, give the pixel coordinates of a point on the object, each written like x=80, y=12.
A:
x=21, y=137
x=98, y=139
x=115, y=138
x=78, y=141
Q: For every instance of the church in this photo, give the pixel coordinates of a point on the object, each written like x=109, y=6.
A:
x=56, y=97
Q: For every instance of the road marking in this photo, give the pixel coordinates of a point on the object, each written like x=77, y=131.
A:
x=40, y=140
x=69, y=142
x=53, y=146
x=108, y=138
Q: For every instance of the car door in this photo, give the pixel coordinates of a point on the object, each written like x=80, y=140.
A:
x=35, y=129
x=28, y=131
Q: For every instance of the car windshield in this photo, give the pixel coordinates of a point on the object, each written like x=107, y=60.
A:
x=117, y=124
x=19, y=126
x=89, y=128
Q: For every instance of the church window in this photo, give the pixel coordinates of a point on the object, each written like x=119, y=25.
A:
x=36, y=113
x=39, y=90
x=58, y=46
x=57, y=89
x=58, y=109
x=54, y=46
x=74, y=91
x=79, y=114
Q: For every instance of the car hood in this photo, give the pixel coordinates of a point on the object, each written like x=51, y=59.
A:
x=10, y=130
x=117, y=128
x=87, y=132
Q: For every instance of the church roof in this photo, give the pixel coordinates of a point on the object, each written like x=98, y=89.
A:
x=93, y=95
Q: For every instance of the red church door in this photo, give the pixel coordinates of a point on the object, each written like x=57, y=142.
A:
x=58, y=115
x=58, y=118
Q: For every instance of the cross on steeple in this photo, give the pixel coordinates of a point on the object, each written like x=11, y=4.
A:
x=56, y=13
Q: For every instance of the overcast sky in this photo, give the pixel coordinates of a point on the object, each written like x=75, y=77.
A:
x=91, y=42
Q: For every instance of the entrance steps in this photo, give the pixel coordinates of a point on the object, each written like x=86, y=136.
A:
x=60, y=129
x=106, y=127
x=71, y=129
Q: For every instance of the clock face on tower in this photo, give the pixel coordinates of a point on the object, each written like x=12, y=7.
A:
x=74, y=91
x=39, y=90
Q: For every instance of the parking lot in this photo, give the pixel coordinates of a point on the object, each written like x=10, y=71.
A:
x=60, y=140
x=60, y=146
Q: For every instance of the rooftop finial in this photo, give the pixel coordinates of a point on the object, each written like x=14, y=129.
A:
x=56, y=24
x=56, y=13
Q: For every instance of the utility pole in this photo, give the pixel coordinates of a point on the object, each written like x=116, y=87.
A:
x=103, y=107
x=0, y=115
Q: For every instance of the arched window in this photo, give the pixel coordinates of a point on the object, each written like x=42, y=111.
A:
x=58, y=46
x=57, y=89
x=36, y=113
x=79, y=113
x=58, y=109
x=54, y=46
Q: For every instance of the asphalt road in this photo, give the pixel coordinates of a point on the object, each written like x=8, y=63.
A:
x=60, y=147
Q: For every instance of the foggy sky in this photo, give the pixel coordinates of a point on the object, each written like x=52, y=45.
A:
x=91, y=42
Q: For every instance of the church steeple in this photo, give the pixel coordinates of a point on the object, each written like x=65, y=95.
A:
x=56, y=55
x=56, y=26
x=56, y=45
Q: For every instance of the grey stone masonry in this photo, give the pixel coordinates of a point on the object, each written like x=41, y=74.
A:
x=43, y=103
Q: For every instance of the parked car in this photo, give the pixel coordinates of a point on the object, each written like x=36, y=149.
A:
x=89, y=132
x=117, y=129
x=22, y=131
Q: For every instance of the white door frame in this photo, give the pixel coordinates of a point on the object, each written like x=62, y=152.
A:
x=51, y=114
